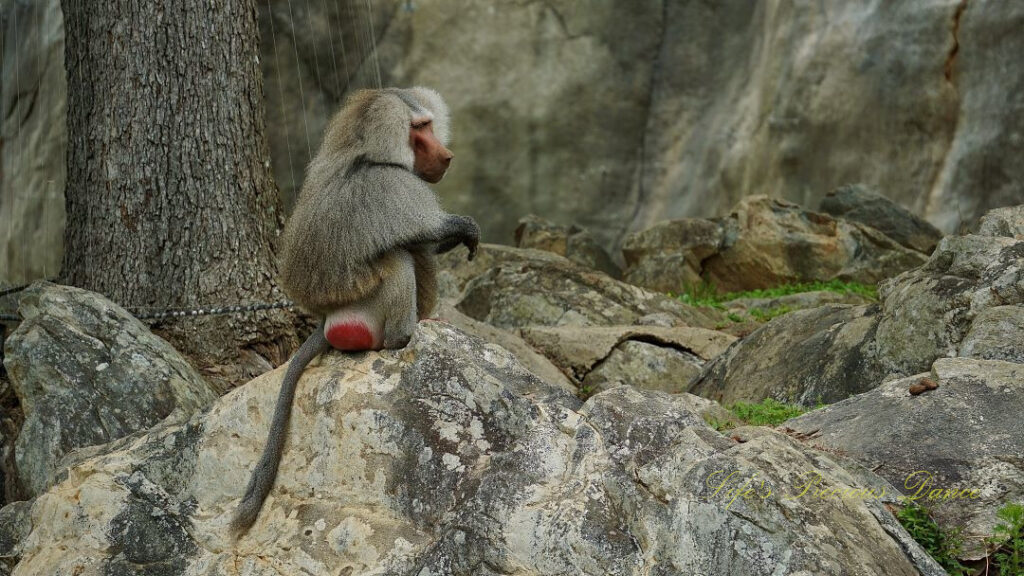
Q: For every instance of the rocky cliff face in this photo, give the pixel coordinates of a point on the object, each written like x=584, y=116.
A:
x=613, y=117
x=33, y=140
x=625, y=114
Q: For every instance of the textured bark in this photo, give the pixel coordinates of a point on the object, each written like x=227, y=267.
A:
x=170, y=200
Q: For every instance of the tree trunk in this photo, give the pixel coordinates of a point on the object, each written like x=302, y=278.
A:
x=170, y=199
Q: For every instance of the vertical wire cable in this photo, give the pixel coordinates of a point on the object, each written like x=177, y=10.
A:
x=280, y=90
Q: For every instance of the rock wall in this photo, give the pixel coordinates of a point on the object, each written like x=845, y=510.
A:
x=620, y=116
x=33, y=141
x=625, y=114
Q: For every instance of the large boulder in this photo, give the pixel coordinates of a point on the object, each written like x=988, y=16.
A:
x=1007, y=221
x=966, y=435
x=573, y=242
x=86, y=372
x=648, y=357
x=771, y=242
x=965, y=301
x=764, y=242
x=669, y=256
x=859, y=204
x=449, y=458
x=514, y=288
x=805, y=357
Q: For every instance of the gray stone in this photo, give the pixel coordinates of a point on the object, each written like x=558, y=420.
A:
x=859, y=204
x=1008, y=221
x=996, y=333
x=449, y=458
x=578, y=349
x=645, y=366
x=769, y=242
x=573, y=242
x=804, y=357
x=965, y=435
x=927, y=312
x=514, y=288
x=668, y=256
x=86, y=372
x=15, y=525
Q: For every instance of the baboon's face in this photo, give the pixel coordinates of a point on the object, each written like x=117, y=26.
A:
x=432, y=158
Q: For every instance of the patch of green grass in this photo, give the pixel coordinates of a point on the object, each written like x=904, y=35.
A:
x=943, y=546
x=1008, y=540
x=705, y=294
x=702, y=295
x=734, y=317
x=768, y=412
x=838, y=286
x=719, y=425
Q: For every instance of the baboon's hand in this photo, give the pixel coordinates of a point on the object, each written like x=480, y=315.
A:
x=457, y=230
x=471, y=236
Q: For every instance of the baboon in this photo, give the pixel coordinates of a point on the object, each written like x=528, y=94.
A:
x=359, y=250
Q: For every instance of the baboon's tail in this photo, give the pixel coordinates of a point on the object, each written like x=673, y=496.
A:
x=266, y=469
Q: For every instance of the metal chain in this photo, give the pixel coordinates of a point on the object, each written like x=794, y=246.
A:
x=160, y=314
x=179, y=313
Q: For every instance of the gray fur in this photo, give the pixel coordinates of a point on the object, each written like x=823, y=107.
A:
x=364, y=234
x=263, y=474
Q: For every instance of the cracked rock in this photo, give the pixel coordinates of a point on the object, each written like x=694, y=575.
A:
x=449, y=458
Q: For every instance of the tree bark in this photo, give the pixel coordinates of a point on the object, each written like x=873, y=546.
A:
x=170, y=199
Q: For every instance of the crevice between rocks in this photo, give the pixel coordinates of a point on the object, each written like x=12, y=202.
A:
x=951, y=55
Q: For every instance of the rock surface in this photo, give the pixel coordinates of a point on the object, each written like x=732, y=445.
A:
x=798, y=301
x=579, y=349
x=669, y=256
x=966, y=300
x=515, y=288
x=805, y=357
x=449, y=458
x=532, y=360
x=1008, y=221
x=33, y=140
x=859, y=204
x=763, y=243
x=15, y=525
x=965, y=435
x=770, y=242
x=620, y=116
x=927, y=313
x=644, y=366
x=86, y=373
x=573, y=242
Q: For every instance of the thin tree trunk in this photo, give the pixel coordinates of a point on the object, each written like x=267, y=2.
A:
x=170, y=199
